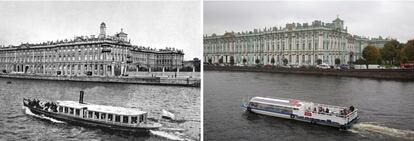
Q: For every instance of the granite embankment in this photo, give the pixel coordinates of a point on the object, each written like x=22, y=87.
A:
x=397, y=74
x=148, y=80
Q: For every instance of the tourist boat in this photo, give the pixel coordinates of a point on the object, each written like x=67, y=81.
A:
x=335, y=116
x=101, y=116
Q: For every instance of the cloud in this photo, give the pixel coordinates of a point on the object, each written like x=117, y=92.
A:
x=366, y=18
x=155, y=24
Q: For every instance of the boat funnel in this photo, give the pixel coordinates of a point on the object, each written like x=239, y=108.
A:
x=81, y=97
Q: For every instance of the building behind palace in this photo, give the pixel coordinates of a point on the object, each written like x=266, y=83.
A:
x=88, y=55
x=301, y=44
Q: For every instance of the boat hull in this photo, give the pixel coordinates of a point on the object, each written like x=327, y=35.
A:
x=89, y=123
x=298, y=118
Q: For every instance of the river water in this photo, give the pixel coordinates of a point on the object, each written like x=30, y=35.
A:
x=386, y=107
x=17, y=124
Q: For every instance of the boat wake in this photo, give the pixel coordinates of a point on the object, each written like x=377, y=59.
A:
x=27, y=111
x=169, y=135
x=367, y=127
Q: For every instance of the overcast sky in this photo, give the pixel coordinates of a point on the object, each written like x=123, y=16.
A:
x=368, y=18
x=154, y=24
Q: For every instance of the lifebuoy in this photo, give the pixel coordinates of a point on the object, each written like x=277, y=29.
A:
x=292, y=116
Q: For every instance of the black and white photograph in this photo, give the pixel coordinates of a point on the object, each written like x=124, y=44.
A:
x=113, y=70
x=207, y=70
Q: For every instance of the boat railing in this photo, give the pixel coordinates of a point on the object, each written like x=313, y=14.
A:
x=352, y=115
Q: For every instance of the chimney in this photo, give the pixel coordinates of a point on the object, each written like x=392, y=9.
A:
x=81, y=97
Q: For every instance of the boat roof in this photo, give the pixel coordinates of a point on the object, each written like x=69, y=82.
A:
x=102, y=108
x=273, y=101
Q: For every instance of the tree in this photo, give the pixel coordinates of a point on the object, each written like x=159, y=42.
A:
x=221, y=60
x=319, y=61
x=244, y=61
x=390, y=50
x=337, y=61
x=257, y=61
x=371, y=55
x=272, y=61
x=285, y=61
x=360, y=61
x=408, y=50
x=210, y=61
x=231, y=60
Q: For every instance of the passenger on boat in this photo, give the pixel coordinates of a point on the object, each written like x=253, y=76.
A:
x=327, y=110
x=351, y=108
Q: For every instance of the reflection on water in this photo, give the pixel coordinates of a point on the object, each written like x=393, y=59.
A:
x=387, y=103
x=184, y=102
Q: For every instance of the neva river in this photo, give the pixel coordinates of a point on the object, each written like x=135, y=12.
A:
x=16, y=124
x=386, y=107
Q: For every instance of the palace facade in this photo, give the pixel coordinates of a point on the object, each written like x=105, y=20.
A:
x=87, y=55
x=301, y=44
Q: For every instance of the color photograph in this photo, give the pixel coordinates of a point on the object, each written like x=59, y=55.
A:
x=308, y=70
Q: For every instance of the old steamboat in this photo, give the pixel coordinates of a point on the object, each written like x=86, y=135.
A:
x=94, y=115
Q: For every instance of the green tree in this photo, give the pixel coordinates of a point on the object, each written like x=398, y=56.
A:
x=319, y=61
x=272, y=61
x=337, y=61
x=390, y=50
x=231, y=60
x=401, y=57
x=244, y=61
x=408, y=50
x=360, y=61
x=285, y=61
x=371, y=55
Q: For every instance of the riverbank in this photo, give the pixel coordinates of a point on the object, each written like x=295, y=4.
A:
x=146, y=80
x=397, y=74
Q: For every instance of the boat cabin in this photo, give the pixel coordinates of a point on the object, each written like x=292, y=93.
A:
x=273, y=105
x=102, y=113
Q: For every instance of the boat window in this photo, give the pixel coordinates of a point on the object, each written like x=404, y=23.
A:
x=134, y=120
x=103, y=116
x=125, y=119
x=252, y=104
x=66, y=109
x=71, y=111
x=117, y=118
x=60, y=109
x=109, y=117
x=96, y=115
x=77, y=112
x=141, y=118
x=90, y=114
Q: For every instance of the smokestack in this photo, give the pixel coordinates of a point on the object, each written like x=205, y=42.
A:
x=81, y=97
